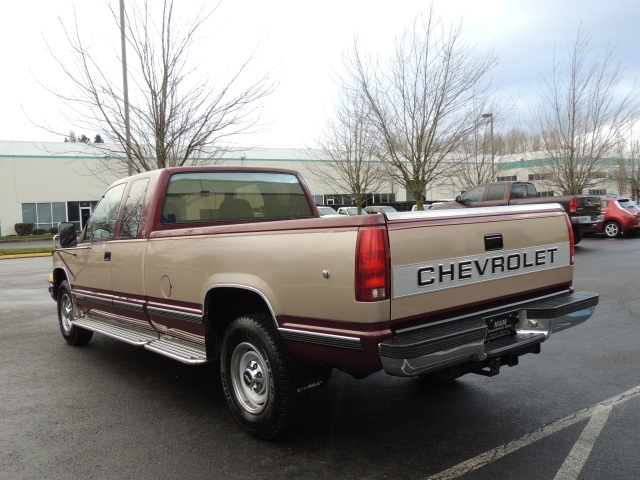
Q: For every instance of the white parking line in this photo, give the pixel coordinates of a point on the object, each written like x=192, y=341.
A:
x=578, y=454
x=572, y=466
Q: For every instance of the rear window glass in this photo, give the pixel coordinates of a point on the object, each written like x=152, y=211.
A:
x=233, y=196
x=625, y=203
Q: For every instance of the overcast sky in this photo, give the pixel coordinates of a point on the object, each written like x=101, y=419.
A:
x=302, y=42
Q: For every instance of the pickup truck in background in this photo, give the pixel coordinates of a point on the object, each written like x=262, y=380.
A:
x=583, y=210
x=235, y=265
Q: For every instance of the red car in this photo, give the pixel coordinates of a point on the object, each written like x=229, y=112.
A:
x=620, y=216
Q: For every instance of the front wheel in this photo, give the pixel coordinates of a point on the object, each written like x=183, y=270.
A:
x=611, y=229
x=255, y=379
x=73, y=335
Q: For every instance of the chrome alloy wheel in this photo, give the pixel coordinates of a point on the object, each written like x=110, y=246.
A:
x=611, y=229
x=250, y=378
x=66, y=313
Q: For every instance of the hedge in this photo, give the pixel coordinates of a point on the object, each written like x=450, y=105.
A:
x=23, y=229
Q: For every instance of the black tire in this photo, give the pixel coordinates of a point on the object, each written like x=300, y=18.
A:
x=76, y=336
x=611, y=229
x=578, y=233
x=255, y=378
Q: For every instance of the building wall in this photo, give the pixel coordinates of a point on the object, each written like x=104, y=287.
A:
x=45, y=173
x=35, y=172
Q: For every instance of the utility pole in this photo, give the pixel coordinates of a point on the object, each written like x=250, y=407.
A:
x=125, y=88
x=493, y=168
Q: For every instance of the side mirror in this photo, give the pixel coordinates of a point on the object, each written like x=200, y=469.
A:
x=68, y=235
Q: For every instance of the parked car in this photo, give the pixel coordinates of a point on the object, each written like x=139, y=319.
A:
x=350, y=211
x=380, y=209
x=326, y=211
x=621, y=215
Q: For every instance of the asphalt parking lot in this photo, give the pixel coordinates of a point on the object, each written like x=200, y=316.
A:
x=110, y=410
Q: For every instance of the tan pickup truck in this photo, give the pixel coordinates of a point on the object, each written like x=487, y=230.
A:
x=235, y=264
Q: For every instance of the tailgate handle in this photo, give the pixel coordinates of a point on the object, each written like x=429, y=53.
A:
x=493, y=242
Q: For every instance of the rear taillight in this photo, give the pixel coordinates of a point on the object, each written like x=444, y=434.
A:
x=372, y=265
x=573, y=205
x=572, y=247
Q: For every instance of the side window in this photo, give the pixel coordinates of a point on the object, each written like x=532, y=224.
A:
x=103, y=221
x=475, y=194
x=133, y=209
x=496, y=192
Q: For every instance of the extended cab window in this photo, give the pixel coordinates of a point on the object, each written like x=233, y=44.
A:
x=233, y=196
x=103, y=220
x=496, y=192
x=133, y=209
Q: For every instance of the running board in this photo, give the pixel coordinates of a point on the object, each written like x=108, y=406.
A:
x=169, y=347
x=127, y=335
x=190, y=354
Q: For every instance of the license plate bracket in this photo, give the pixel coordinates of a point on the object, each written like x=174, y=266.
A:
x=500, y=325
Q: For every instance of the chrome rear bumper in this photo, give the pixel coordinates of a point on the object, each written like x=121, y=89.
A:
x=451, y=342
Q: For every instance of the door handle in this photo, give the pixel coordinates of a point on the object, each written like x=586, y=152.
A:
x=107, y=256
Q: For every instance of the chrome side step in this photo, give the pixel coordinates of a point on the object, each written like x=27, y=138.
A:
x=127, y=335
x=191, y=354
x=185, y=352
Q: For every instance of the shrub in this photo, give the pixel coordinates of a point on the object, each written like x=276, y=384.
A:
x=23, y=229
x=40, y=231
x=53, y=231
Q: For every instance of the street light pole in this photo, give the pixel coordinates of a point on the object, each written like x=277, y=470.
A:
x=493, y=171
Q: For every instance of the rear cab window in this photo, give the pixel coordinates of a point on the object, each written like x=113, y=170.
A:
x=211, y=197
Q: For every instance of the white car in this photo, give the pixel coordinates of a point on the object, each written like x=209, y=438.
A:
x=350, y=211
x=380, y=209
x=415, y=207
x=326, y=211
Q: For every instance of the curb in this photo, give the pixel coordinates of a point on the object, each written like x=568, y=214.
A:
x=25, y=255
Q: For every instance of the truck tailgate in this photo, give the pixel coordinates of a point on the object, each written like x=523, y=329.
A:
x=448, y=259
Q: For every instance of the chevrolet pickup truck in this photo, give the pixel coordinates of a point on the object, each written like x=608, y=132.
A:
x=235, y=265
x=583, y=210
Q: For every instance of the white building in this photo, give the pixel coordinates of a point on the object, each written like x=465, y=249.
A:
x=47, y=183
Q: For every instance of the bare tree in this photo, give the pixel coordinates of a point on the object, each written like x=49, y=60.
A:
x=633, y=167
x=420, y=99
x=627, y=167
x=351, y=161
x=176, y=116
x=480, y=156
x=583, y=116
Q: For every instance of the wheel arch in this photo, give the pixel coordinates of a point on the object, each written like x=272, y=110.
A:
x=223, y=304
x=59, y=276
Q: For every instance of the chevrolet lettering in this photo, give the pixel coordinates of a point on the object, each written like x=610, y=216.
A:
x=454, y=272
x=234, y=265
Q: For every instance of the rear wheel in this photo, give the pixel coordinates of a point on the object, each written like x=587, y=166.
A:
x=611, y=229
x=255, y=378
x=578, y=233
x=73, y=335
